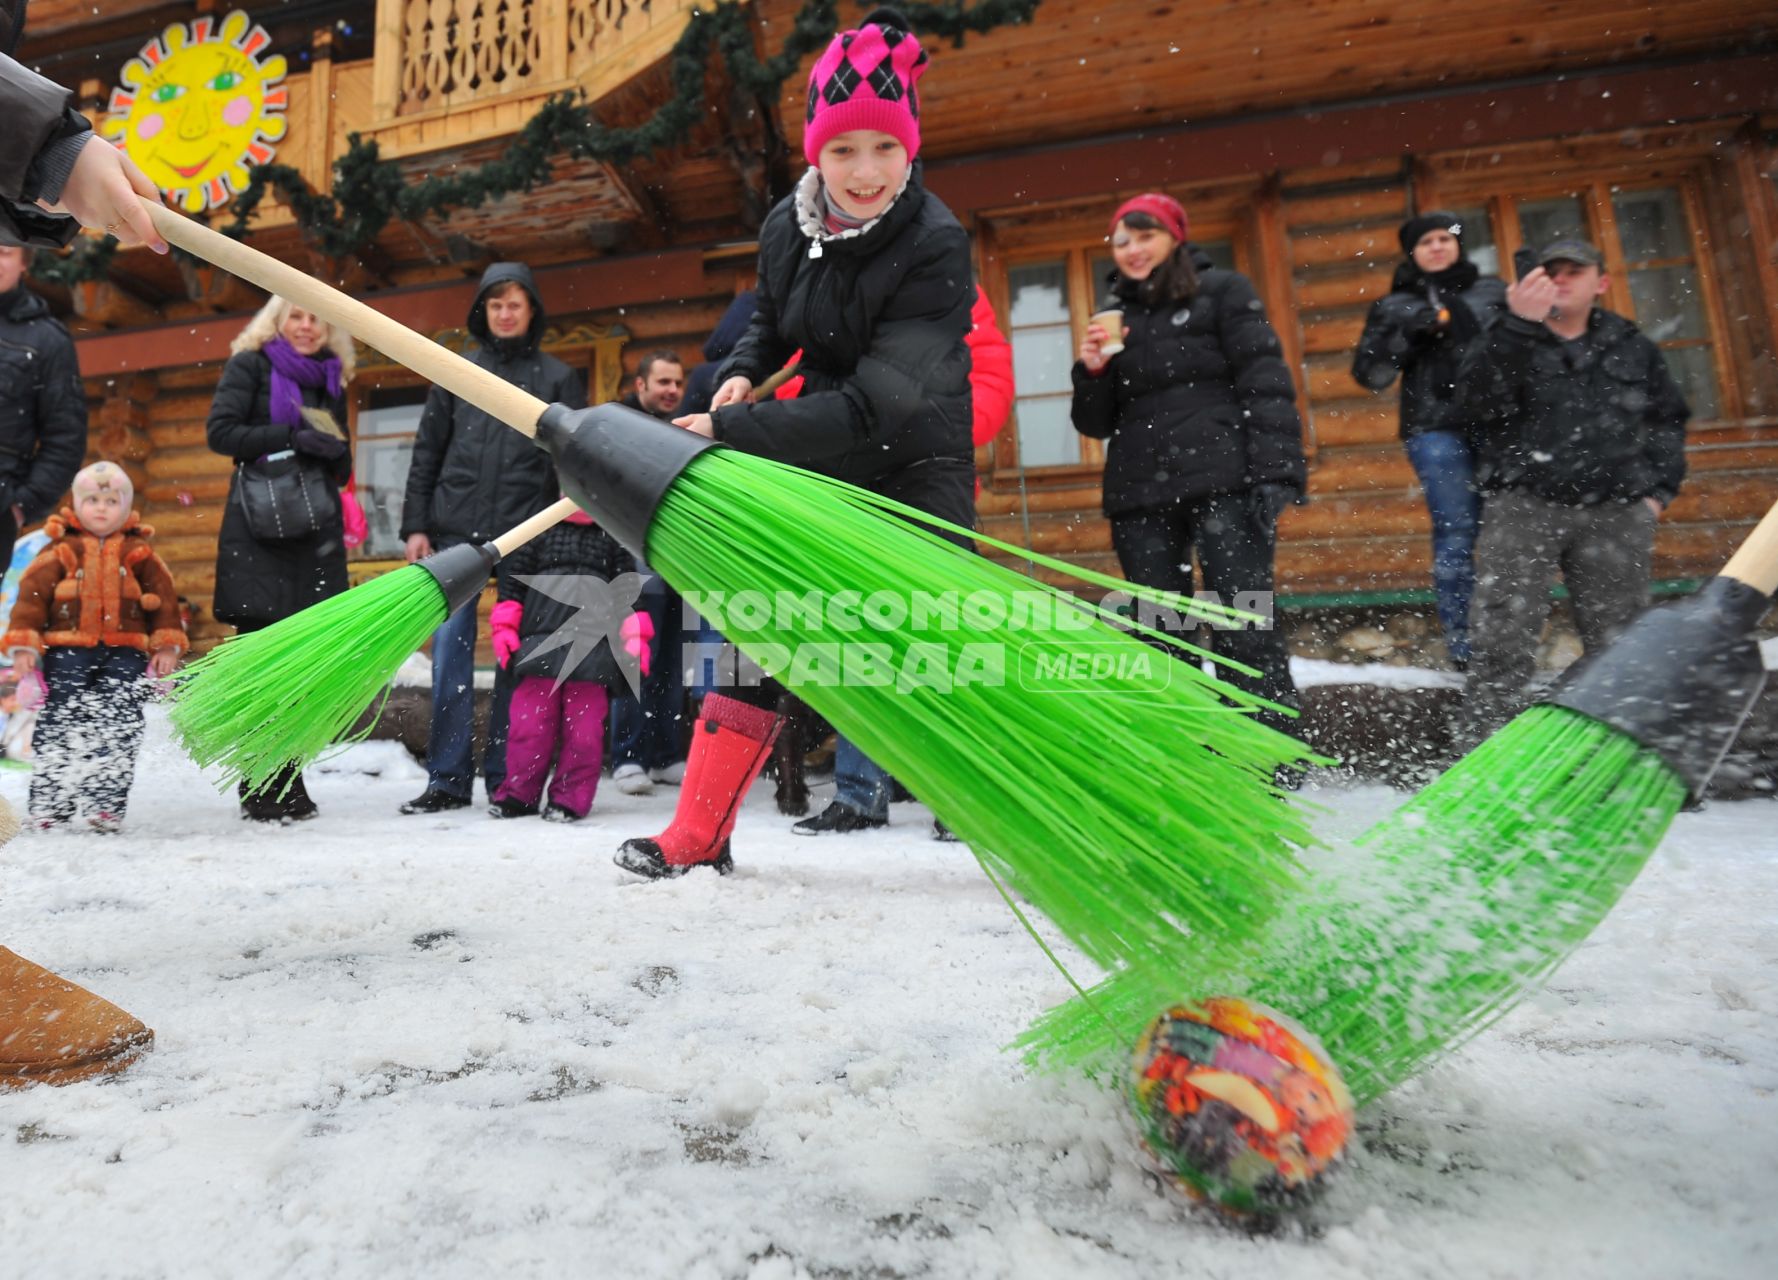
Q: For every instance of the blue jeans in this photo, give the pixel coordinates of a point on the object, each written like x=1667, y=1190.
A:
x=450, y=748
x=645, y=731
x=860, y=783
x=1447, y=473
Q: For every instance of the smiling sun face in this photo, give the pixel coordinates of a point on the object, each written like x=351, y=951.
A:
x=197, y=106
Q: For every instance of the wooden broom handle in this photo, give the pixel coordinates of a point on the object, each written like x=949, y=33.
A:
x=1756, y=563
x=517, y=409
x=542, y=522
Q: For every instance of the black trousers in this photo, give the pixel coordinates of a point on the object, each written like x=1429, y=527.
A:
x=1235, y=556
x=284, y=795
x=89, y=731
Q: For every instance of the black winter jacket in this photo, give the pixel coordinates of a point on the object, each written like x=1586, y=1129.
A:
x=1198, y=402
x=700, y=386
x=1402, y=334
x=881, y=319
x=1594, y=420
x=263, y=582
x=43, y=137
x=473, y=477
x=42, y=406
x=570, y=550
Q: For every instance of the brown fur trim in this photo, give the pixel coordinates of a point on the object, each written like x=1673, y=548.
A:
x=69, y=640
x=169, y=639
x=22, y=640
x=125, y=639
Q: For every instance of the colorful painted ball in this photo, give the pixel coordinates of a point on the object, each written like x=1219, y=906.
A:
x=1239, y=1105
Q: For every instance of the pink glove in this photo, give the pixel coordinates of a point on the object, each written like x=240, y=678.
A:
x=637, y=632
x=352, y=514
x=505, y=624
x=33, y=693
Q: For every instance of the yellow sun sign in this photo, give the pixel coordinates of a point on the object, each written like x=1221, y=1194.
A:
x=197, y=106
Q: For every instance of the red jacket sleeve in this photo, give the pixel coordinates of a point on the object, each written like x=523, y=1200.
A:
x=990, y=375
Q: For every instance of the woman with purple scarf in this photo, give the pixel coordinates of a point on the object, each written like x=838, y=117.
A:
x=281, y=397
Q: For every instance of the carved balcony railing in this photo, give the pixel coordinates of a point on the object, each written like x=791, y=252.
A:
x=456, y=72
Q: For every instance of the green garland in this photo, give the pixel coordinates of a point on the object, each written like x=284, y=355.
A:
x=88, y=258
x=370, y=192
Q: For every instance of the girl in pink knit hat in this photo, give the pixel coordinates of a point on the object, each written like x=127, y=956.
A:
x=869, y=274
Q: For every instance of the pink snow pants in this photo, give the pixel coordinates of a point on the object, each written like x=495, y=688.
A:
x=543, y=715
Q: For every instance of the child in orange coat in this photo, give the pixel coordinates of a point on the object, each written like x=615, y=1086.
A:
x=91, y=609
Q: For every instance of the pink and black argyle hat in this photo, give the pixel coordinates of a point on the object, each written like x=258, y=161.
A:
x=866, y=80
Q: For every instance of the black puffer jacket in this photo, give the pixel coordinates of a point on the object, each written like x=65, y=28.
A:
x=1198, y=402
x=43, y=137
x=1402, y=334
x=262, y=582
x=473, y=477
x=570, y=550
x=700, y=386
x=42, y=406
x=881, y=319
x=1598, y=419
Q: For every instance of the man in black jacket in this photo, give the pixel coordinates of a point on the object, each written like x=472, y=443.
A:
x=42, y=404
x=472, y=478
x=1579, y=434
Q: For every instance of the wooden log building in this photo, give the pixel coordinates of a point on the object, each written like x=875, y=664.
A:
x=1298, y=133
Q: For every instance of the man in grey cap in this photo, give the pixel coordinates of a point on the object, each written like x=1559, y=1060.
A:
x=1579, y=436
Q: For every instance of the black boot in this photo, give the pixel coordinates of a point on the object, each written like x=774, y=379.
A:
x=510, y=808
x=297, y=805
x=430, y=801
x=837, y=819
x=642, y=856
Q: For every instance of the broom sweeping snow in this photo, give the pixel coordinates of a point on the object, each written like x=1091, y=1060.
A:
x=1474, y=891
x=980, y=719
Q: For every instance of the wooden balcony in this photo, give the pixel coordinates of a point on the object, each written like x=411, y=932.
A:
x=454, y=73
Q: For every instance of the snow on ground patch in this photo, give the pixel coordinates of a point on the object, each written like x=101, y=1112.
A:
x=449, y=1045
x=1316, y=671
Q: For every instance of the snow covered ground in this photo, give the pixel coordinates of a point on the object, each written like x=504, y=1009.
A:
x=448, y=1047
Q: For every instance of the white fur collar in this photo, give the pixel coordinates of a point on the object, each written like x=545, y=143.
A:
x=811, y=218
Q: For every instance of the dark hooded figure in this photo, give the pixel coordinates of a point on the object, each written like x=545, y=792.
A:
x=473, y=478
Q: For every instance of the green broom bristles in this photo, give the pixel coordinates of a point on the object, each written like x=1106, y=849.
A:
x=1123, y=810
x=1128, y=807
x=285, y=694
x=1473, y=892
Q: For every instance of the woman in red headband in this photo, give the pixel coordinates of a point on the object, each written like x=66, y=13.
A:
x=1206, y=449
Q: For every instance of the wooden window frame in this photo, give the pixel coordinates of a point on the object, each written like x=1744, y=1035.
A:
x=1074, y=232
x=1594, y=183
